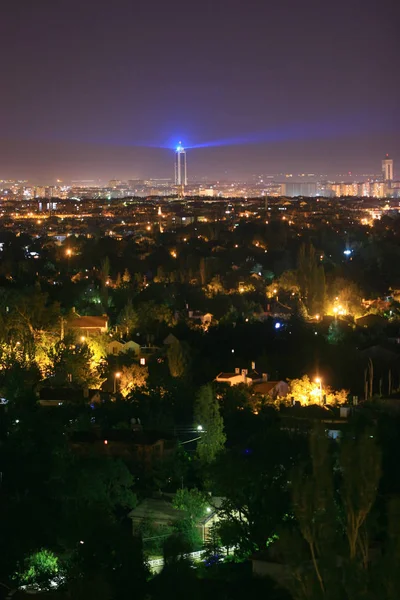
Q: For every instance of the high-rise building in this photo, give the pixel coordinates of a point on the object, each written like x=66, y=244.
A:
x=40, y=191
x=293, y=189
x=379, y=189
x=180, y=166
x=387, y=168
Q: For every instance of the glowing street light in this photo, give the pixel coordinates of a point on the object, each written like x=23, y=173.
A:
x=116, y=376
x=199, y=427
x=319, y=381
x=68, y=253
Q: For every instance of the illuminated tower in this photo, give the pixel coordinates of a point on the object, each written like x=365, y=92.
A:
x=180, y=166
x=387, y=168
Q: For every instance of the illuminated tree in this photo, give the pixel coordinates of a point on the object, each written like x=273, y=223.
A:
x=178, y=359
x=41, y=571
x=349, y=296
x=207, y=415
x=215, y=286
x=72, y=364
x=203, y=271
x=192, y=502
x=126, y=277
x=132, y=377
x=312, y=545
x=308, y=392
x=128, y=318
x=288, y=282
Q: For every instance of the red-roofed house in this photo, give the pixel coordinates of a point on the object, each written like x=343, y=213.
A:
x=271, y=388
x=89, y=326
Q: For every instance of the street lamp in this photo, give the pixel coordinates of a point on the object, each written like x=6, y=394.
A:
x=116, y=376
x=199, y=427
x=319, y=381
x=68, y=253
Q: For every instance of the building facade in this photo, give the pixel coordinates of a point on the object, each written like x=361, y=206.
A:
x=387, y=168
x=180, y=166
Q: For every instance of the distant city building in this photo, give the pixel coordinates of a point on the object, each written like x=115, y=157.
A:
x=345, y=189
x=302, y=188
x=387, y=168
x=83, y=183
x=207, y=192
x=374, y=189
x=379, y=189
x=180, y=166
x=113, y=183
x=40, y=191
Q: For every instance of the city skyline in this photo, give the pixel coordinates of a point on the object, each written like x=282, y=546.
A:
x=275, y=88
x=178, y=174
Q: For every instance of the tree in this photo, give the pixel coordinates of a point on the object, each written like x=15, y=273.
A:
x=105, y=271
x=288, y=282
x=192, y=502
x=207, y=415
x=128, y=318
x=254, y=480
x=349, y=296
x=41, y=571
x=312, y=546
x=308, y=392
x=126, y=277
x=71, y=364
x=311, y=279
x=132, y=377
x=203, y=271
x=178, y=359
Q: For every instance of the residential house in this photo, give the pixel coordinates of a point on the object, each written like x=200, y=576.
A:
x=162, y=513
x=59, y=396
x=275, y=310
x=88, y=325
x=143, y=449
x=241, y=376
x=273, y=389
x=200, y=317
x=115, y=347
x=371, y=320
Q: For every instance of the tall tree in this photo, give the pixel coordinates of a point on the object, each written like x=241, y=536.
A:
x=331, y=524
x=178, y=356
x=207, y=415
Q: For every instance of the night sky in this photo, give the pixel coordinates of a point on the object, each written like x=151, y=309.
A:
x=101, y=89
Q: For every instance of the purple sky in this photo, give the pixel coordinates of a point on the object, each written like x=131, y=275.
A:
x=101, y=89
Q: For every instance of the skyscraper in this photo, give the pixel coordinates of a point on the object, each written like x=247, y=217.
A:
x=387, y=168
x=180, y=166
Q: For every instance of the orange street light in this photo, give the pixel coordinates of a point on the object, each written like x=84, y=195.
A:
x=117, y=375
x=319, y=381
